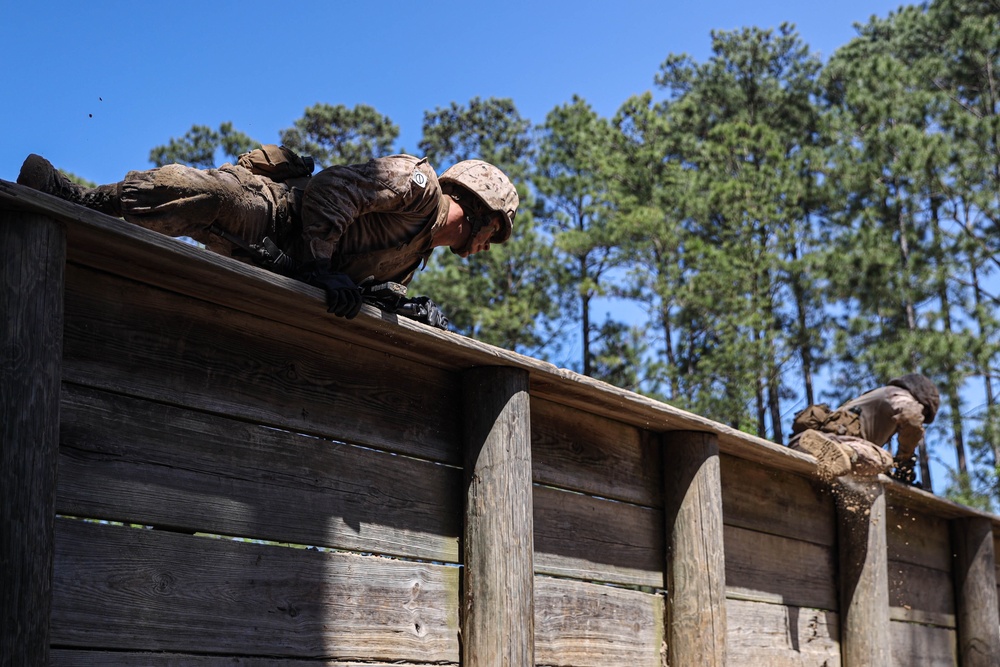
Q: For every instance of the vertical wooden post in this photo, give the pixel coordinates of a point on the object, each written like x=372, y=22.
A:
x=498, y=607
x=975, y=592
x=696, y=559
x=32, y=258
x=864, y=574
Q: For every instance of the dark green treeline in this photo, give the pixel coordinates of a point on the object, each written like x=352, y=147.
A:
x=760, y=231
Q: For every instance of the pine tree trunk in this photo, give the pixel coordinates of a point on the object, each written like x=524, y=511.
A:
x=911, y=324
x=802, y=334
x=954, y=400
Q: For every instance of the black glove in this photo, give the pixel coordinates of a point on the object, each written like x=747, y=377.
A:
x=343, y=297
x=905, y=471
x=422, y=309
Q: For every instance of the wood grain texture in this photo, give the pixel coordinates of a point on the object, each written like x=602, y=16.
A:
x=32, y=256
x=781, y=636
x=776, y=502
x=915, y=498
x=919, y=561
x=696, y=557
x=498, y=598
x=917, y=537
x=78, y=658
x=923, y=645
x=921, y=595
x=595, y=539
x=594, y=455
x=864, y=586
x=975, y=583
x=779, y=570
x=138, y=340
x=581, y=624
x=996, y=552
x=137, y=461
x=131, y=589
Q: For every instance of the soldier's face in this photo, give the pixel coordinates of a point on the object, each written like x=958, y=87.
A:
x=480, y=242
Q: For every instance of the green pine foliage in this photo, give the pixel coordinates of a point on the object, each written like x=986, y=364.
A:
x=202, y=146
x=341, y=135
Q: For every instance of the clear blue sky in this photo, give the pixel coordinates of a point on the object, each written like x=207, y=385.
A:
x=93, y=86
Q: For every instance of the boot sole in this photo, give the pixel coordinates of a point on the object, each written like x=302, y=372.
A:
x=831, y=460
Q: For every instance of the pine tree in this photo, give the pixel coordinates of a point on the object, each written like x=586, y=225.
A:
x=748, y=127
x=336, y=134
x=201, y=147
x=572, y=178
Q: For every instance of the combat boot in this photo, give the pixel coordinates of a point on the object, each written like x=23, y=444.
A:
x=39, y=174
x=831, y=458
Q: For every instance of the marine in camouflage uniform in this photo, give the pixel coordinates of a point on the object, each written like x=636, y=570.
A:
x=853, y=437
x=378, y=220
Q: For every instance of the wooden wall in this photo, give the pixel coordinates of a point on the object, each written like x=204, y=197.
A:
x=921, y=588
x=781, y=556
x=195, y=420
x=244, y=480
x=599, y=545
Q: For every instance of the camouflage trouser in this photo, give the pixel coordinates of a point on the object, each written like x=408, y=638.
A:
x=867, y=460
x=183, y=201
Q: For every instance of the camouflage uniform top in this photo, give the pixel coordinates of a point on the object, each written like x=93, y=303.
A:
x=372, y=219
x=886, y=411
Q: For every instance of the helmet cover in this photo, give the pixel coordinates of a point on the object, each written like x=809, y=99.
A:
x=491, y=187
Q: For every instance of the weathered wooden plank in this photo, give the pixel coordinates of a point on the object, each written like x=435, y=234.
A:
x=594, y=455
x=917, y=537
x=864, y=586
x=779, y=570
x=582, y=624
x=596, y=539
x=498, y=599
x=695, y=554
x=777, y=502
x=924, y=645
x=975, y=581
x=921, y=594
x=595, y=397
x=996, y=553
x=136, y=461
x=918, y=499
x=78, y=658
x=781, y=636
x=134, y=339
x=32, y=256
x=127, y=589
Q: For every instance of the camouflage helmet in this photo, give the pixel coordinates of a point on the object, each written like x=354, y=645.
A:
x=923, y=390
x=491, y=186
